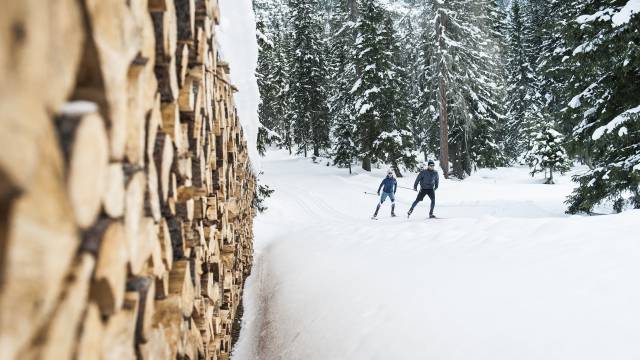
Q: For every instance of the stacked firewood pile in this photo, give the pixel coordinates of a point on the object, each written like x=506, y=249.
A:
x=125, y=184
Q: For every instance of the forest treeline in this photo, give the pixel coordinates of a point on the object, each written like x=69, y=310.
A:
x=475, y=83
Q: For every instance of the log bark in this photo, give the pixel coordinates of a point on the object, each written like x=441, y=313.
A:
x=186, y=17
x=444, y=127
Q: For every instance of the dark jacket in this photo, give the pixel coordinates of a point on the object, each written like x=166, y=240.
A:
x=428, y=179
x=388, y=185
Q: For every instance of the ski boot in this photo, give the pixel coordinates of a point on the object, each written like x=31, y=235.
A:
x=393, y=210
x=431, y=216
x=375, y=214
x=409, y=213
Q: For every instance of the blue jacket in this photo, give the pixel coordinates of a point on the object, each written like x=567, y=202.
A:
x=388, y=185
x=427, y=179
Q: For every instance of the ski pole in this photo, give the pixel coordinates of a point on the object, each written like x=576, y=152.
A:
x=404, y=187
x=368, y=193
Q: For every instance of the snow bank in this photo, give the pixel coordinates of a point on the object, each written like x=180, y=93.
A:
x=237, y=38
x=504, y=275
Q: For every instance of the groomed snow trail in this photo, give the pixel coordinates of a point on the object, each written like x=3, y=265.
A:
x=504, y=275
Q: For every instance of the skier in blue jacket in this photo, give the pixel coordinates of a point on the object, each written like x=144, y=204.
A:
x=389, y=186
x=428, y=181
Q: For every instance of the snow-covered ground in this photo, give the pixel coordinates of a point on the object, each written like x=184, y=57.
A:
x=505, y=274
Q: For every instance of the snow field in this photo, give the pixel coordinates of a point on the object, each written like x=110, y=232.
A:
x=504, y=275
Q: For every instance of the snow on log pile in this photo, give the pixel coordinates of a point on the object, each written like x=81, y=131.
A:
x=125, y=184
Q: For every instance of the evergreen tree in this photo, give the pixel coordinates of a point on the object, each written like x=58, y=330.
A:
x=488, y=95
x=424, y=124
x=547, y=153
x=308, y=85
x=555, y=72
x=468, y=69
x=272, y=75
x=381, y=124
x=521, y=88
x=266, y=114
x=344, y=148
x=342, y=70
x=397, y=141
x=605, y=109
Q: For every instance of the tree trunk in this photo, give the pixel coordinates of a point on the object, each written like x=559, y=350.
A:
x=366, y=163
x=458, y=161
x=468, y=166
x=287, y=142
x=444, y=126
x=396, y=170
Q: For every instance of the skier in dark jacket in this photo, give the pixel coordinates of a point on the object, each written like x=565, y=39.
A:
x=428, y=180
x=389, y=186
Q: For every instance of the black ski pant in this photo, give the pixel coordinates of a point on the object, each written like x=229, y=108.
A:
x=425, y=192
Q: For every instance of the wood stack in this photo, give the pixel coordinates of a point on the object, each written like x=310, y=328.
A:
x=125, y=184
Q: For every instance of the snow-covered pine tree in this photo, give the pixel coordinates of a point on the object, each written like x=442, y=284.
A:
x=555, y=72
x=605, y=108
x=344, y=146
x=424, y=124
x=547, y=153
x=308, y=83
x=342, y=76
x=397, y=141
x=265, y=46
x=521, y=83
x=272, y=75
x=488, y=89
x=382, y=133
x=468, y=68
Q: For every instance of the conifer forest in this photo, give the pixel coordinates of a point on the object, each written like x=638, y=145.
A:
x=550, y=84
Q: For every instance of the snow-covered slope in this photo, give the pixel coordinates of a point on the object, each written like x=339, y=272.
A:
x=504, y=275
